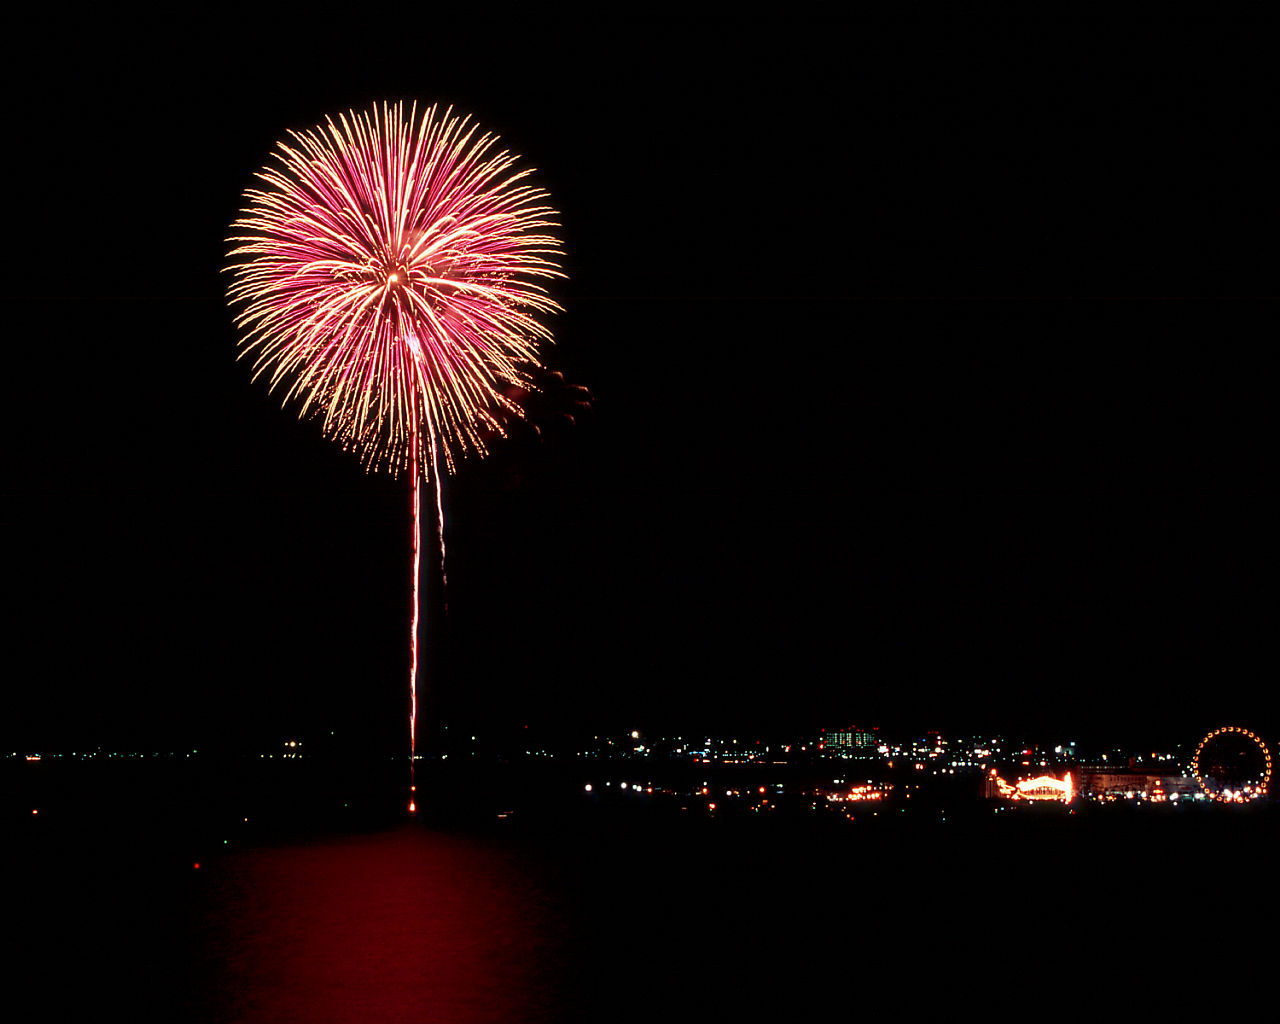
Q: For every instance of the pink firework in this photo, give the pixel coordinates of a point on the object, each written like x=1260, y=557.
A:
x=387, y=279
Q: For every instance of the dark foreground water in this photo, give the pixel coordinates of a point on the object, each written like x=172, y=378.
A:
x=639, y=918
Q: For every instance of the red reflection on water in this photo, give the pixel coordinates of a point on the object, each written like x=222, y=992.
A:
x=403, y=926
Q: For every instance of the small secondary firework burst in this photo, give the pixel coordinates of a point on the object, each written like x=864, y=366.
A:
x=387, y=276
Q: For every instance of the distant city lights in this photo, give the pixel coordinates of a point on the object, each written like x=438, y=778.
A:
x=849, y=773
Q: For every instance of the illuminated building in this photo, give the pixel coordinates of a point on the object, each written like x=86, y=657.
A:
x=1041, y=787
x=1112, y=784
x=849, y=742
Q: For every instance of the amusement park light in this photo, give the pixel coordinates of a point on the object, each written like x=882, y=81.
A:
x=1249, y=791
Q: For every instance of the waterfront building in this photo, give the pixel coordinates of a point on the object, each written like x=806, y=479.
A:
x=1111, y=783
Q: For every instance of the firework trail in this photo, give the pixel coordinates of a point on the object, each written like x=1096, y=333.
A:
x=387, y=279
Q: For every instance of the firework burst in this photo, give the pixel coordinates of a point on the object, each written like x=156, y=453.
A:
x=387, y=277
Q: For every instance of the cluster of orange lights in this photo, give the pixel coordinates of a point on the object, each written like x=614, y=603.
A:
x=1042, y=787
x=857, y=793
x=1246, y=793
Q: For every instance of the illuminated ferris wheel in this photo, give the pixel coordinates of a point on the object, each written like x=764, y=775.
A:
x=1232, y=765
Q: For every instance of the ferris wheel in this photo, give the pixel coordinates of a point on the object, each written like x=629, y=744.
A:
x=1232, y=765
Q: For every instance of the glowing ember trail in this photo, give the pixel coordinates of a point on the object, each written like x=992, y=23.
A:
x=386, y=278
x=413, y=622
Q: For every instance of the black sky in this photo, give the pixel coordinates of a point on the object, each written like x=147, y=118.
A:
x=932, y=376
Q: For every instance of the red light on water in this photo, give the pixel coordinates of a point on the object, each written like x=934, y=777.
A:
x=195, y=866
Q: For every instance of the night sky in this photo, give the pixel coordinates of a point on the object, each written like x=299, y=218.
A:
x=931, y=373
